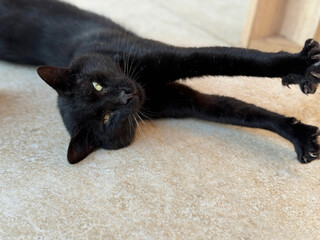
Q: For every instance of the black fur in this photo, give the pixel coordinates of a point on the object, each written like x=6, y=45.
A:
x=83, y=49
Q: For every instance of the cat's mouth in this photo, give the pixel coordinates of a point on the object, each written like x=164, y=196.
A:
x=114, y=117
x=106, y=118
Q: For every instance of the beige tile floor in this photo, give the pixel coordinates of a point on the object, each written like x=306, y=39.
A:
x=180, y=179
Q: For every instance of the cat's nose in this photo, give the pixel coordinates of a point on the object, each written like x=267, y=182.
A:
x=124, y=97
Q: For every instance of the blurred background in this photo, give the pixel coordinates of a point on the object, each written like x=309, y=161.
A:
x=210, y=21
x=269, y=25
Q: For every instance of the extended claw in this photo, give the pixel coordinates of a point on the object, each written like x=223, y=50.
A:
x=316, y=57
x=313, y=155
x=296, y=121
x=311, y=43
x=316, y=75
x=316, y=134
x=286, y=85
x=306, y=90
x=305, y=159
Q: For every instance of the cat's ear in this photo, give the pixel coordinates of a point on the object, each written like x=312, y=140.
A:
x=81, y=145
x=59, y=79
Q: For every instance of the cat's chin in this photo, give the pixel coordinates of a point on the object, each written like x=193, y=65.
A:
x=126, y=113
x=119, y=131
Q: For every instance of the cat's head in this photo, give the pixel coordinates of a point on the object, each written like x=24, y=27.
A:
x=98, y=104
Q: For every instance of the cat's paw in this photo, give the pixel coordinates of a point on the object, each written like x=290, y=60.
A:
x=307, y=142
x=310, y=80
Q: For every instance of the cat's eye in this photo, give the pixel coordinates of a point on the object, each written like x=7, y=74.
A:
x=97, y=86
x=106, y=118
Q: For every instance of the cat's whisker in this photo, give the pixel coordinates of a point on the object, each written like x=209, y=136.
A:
x=125, y=64
x=136, y=71
x=148, y=116
x=139, y=127
x=130, y=64
x=150, y=146
x=143, y=135
x=141, y=118
x=125, y=61
x=126, y=58
x=147, y=111
x=145, y=115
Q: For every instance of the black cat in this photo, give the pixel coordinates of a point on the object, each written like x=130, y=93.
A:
x=106, y=75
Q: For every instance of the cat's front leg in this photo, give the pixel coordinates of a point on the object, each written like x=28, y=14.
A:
x=310, y=78
x=179, y=101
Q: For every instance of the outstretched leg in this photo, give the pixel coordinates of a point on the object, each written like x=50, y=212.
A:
x=159, y=63
x=179, y=101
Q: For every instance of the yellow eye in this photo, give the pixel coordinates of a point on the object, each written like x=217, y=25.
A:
x=97, y=86
x=106, y=118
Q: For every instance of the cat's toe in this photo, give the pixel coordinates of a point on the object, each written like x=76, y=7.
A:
x=310, y=43
x=308, y=87
x=316, y=57
x=312, y=79
x=291, y=79
x=310, y=46
x=308, y=148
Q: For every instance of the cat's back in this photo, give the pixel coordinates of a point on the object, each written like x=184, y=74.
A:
x=52, y=12
x=45, y=31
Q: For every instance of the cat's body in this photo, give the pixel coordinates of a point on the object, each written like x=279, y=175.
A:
x=105, y=75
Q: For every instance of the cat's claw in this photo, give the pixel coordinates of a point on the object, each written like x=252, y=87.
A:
x=316, y=75
x=310, y=80
x=316, y=57
x=313, y=155
x=311, y=43
x=317, y=133
x=286, y=84
x=307, y=145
